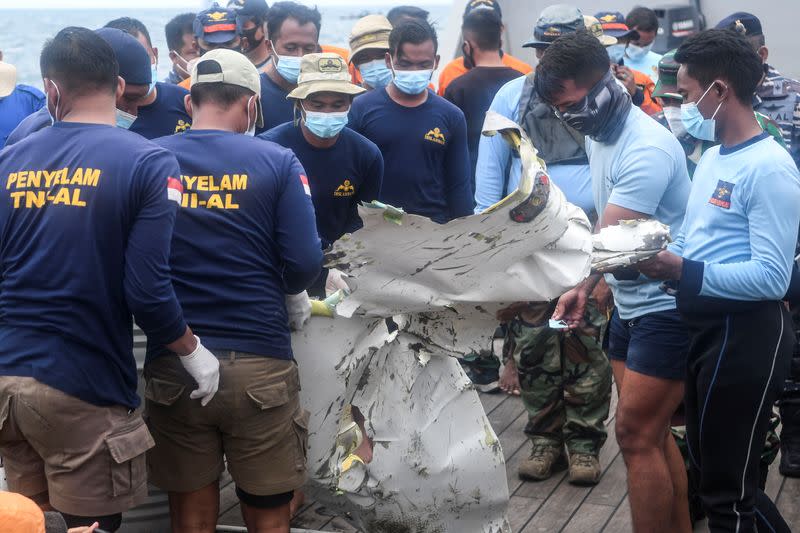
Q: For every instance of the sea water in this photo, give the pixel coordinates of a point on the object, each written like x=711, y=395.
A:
x=23, y=32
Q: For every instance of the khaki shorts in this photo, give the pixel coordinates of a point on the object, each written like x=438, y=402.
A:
x=254, y=422
x=90, y=459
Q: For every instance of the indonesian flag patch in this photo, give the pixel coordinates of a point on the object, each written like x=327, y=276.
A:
x=304, y=181
x=174, y=190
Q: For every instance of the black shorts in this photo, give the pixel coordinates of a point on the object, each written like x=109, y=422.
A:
x=655, y=344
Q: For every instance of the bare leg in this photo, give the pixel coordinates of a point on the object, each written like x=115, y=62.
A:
x=646, y=405
x=509, y=378
x=275, y=520
x=196, y=511
x=681, y=520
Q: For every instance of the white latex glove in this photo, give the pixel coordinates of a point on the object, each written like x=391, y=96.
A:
x=203, y=366
x=335, y=281
x=298, y=307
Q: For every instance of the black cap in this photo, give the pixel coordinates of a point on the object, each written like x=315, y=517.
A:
x=249, y=8
x=473, y=5
x=745, y=23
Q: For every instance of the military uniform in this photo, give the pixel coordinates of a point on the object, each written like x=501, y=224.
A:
x=565, y=378
x=778, y=97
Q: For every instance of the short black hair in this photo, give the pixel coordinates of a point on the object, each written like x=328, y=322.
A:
x=575, y=56
x=485, y=27
x=413, y=32
x=222, y=94
x=80, y=62
x=176, y=28
x=642, y=18
x=132, y=26
x=280, y=11
x=397, y=14
x=713, y=54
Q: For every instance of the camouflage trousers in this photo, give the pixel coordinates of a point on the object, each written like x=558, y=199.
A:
x=565, y=378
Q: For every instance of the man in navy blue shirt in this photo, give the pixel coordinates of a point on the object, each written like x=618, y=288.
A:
x=182, y=45
x=16, y=101
x=422, y=136
x=161, y=111
x=135, y=70
x=344, y=169
x=732, y=263
x=88, y=211
x=293, y=31
x=244, y=238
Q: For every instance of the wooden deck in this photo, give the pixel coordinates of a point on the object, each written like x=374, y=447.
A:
x=552, y=505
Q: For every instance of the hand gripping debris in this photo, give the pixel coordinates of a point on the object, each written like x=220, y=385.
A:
x=397, y=436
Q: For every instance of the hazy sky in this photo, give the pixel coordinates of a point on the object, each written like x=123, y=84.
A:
x=74, y=4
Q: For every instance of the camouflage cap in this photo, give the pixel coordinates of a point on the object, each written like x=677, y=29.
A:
x=667, y=85
x=370, y=33
x=325, y=72
x=596, y=29
x=553, y=22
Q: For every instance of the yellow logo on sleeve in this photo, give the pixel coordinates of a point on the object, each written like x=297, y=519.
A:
x=435, y=135
x=345, y=189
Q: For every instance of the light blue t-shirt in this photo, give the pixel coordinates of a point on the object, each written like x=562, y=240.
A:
x=645, y=171
x=646, y=65
x=742, y=220
x=496, y=162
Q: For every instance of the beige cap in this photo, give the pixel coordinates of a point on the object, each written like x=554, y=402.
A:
x=370, y=33
x=596, y=29
x=8, y=79
x=323, y=72
x=233, y=68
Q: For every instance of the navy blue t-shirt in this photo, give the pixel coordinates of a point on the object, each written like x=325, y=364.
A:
x=30, y=124
x=340, y=177
x=86, y=222
x=22, y=101
x=425, y=154
x=244, y=237
x=277, y=108
x=165, y=116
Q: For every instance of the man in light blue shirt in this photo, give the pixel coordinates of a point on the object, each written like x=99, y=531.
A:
x=638, y=171
x=639, y=53
x=732, y=264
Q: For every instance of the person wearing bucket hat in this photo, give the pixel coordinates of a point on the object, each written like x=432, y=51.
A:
x=17, y=101
x=293, y=31
x=344, y=168
x=461, y=65
x=421, y=135
x=369, y=42
x=542, y=364
x=242, y=194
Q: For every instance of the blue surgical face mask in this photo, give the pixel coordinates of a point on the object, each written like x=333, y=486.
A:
x=287, y=66
x=325, y=125
x=638, y=52
x=696, y=124
x=376, y=74
x=616, y=52
x=124, y=120
x=153, y=77
x=412, y=82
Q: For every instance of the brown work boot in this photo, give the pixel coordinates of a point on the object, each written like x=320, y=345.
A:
x=545, y=459
x=584, y=469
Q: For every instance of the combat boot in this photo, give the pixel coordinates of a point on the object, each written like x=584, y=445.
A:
x=545, y=459
x=584, y=469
